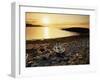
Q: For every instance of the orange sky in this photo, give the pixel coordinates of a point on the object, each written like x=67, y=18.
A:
x=57, y=20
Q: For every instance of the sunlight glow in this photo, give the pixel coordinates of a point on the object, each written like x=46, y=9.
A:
x=46, y=21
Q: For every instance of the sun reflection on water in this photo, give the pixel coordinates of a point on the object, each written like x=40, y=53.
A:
x=46, y=32
x=35, y=33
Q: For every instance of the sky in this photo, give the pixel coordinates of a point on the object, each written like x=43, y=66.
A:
x=57, y=20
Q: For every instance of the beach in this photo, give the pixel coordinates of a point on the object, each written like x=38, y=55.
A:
x=72, y=50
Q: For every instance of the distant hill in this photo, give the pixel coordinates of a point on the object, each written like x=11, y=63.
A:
x=78, y=30
x=31, y=25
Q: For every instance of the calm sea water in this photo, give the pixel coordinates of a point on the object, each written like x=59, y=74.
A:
x=35, y=33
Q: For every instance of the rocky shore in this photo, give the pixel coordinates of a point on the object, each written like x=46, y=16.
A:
x=57, y=52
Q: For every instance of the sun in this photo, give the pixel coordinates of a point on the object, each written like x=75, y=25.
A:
x=46, y=21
